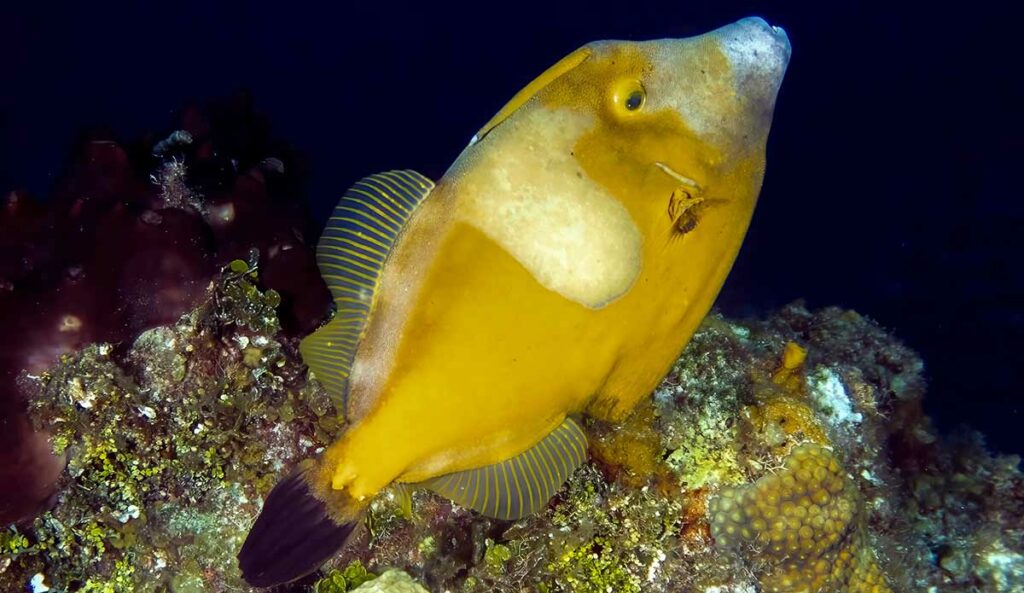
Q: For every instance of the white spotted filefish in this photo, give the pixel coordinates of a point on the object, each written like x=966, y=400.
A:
x=557, y=269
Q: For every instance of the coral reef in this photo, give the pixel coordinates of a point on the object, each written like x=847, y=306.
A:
x=804, y=525
x=351, y=578
x=168, y=445
x=141, y=230
x=823, y=403
x=392, y=581
x=158, y=385
x=773, y=456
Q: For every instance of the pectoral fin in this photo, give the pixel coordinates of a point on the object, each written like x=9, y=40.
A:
x=519, y=486
x=351, y=254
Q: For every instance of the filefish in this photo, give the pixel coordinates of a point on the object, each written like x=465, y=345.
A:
x=556, y=269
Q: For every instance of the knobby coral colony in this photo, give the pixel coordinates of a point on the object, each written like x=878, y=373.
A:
x=803, y=523
x=789, y=454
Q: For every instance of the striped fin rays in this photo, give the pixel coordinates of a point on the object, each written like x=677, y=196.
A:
x=351, y=255
x=519, y=486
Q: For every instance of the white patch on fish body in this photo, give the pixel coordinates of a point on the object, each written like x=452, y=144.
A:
x=524, y=189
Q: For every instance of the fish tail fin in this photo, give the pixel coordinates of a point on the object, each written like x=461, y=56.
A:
x=300, y=527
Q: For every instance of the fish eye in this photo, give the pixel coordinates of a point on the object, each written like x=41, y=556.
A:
x=635, y=100
x=628, y=96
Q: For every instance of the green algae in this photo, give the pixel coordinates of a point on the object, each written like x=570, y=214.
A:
x=169, y=446
x=496, y=555
x=340, y=581
x=594, y=566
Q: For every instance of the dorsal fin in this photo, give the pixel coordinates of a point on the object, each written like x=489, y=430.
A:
x=351, y=254
x=519, y=486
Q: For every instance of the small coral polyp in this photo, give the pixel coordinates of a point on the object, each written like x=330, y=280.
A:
x=804, y=523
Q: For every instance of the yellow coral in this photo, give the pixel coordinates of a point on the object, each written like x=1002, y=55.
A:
x=804, y=525
x=790, y=372
x=783, y=419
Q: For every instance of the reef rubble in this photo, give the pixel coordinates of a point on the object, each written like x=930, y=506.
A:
x=784, y=454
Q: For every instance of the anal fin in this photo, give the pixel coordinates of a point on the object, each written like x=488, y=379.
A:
x=521, y=485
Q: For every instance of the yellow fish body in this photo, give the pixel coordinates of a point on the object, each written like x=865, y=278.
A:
x=557, y=268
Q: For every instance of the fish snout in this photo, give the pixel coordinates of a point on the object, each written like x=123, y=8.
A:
x=754, y=34
x=758, y=54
